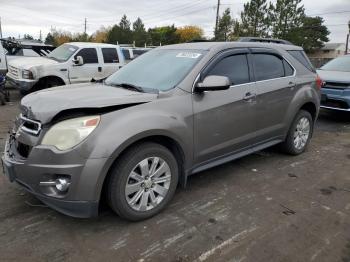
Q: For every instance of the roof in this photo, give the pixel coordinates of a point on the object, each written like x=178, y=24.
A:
x=223, y=45
x=332, y=46
x=90, y=44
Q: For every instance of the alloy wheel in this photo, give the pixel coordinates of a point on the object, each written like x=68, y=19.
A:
x=302, y=133
x=148, y=184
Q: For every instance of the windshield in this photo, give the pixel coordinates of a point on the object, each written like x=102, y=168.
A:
x=63, y=52
x=338, y=64
x=160, y=69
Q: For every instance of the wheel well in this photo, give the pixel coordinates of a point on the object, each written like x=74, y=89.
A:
x=311, y=108
x=165, y=141
x=54, y=78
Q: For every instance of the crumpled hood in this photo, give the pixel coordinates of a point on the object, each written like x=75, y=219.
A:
x=29, y=62
x=44, y=105
x=336, y=76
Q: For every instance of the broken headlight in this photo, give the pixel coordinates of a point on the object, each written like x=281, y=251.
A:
x=69, y=133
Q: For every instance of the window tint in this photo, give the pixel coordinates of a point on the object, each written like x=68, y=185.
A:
x=235, y=67
x=110, y=55
x=268, y=66
x=288, y=69
x=89, y=55
x=302, y=58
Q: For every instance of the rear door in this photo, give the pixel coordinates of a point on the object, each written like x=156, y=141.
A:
x=225, y=121
x=111, y=61
x=275, y=85
x=90, y=69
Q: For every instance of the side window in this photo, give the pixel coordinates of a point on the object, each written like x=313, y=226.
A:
x=302, y=58
x=288, y=69
x=267, y=66
x=235, y=67
x=110, y=55
x=89, y=55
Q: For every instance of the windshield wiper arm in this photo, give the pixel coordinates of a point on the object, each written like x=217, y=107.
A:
x=130, y=87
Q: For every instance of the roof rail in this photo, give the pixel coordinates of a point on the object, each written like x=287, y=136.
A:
x=264, y=40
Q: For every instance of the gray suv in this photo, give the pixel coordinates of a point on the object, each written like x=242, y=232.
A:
x=173, y=112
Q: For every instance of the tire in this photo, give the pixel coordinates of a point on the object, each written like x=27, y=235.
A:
x=291, y=145
x=130, y=205
x=45, y=84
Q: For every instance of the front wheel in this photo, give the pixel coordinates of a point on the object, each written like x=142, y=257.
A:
x=299, y=134
x=143, y=181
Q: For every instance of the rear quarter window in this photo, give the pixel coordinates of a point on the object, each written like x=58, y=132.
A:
x=302, y=58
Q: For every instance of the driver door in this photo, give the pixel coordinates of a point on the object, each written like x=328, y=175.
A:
x=225, y=121
x=91, y=67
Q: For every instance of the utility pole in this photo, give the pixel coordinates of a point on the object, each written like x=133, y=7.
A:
x=217, y=16
x=85, y=26
x=0, y=29
x=347, y=40
x=40, y=36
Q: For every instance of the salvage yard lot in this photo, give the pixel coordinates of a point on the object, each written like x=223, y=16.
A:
x=264, y=207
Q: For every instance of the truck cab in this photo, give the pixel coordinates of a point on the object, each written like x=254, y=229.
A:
x=69, y=63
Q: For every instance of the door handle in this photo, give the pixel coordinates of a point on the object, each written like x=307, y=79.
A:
x=99, y=69
x=249, y=96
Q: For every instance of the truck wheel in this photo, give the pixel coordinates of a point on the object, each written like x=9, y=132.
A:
x=299, y=134
x=143, y=181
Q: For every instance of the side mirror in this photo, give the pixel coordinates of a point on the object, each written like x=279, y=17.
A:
x=78, y=61
x=214, y=83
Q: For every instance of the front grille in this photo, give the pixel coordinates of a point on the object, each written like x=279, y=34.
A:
x=336, y=85
x=14, y=71
x=30, y=126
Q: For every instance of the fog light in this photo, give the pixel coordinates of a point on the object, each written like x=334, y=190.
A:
x=62, y=184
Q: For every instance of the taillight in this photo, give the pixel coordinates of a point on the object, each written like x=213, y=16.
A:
x=319, y=82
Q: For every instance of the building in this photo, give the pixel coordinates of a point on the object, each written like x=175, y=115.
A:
x=329, y=51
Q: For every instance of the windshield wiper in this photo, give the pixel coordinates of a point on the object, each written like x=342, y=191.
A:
x=130, y=87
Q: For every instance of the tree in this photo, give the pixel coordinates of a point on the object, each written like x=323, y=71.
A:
x=100, y=36
x=311, y=35
x=254, y=19
x=284, y=16
x=164, y=35
x=225, y=26
x=189, y=33
x=139, y=32
x=50, y=40
x=28, y=37
x=120, y=33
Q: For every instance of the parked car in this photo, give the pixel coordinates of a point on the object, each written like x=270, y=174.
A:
x=68, y=64
x=12, y=49
x=336, y=87
x=173, y=112
x=131, y=53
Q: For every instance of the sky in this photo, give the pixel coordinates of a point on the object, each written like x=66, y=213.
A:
x=30, y=17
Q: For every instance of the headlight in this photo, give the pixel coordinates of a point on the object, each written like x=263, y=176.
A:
x=69, y=133
x=26, y=74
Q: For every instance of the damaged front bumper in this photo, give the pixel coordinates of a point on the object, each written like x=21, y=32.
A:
x=46, y=164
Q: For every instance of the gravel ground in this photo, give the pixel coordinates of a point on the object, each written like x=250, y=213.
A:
x=264, y=207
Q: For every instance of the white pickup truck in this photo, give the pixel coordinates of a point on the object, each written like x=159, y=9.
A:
x=69, y=63
x=13, y=49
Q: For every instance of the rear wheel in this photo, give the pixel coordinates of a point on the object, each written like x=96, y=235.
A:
x=299, y=134
x=143, y=181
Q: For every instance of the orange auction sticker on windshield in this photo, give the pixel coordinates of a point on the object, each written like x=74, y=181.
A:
x=188, y=55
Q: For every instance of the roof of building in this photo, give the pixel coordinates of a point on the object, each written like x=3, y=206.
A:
x=333, y=46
